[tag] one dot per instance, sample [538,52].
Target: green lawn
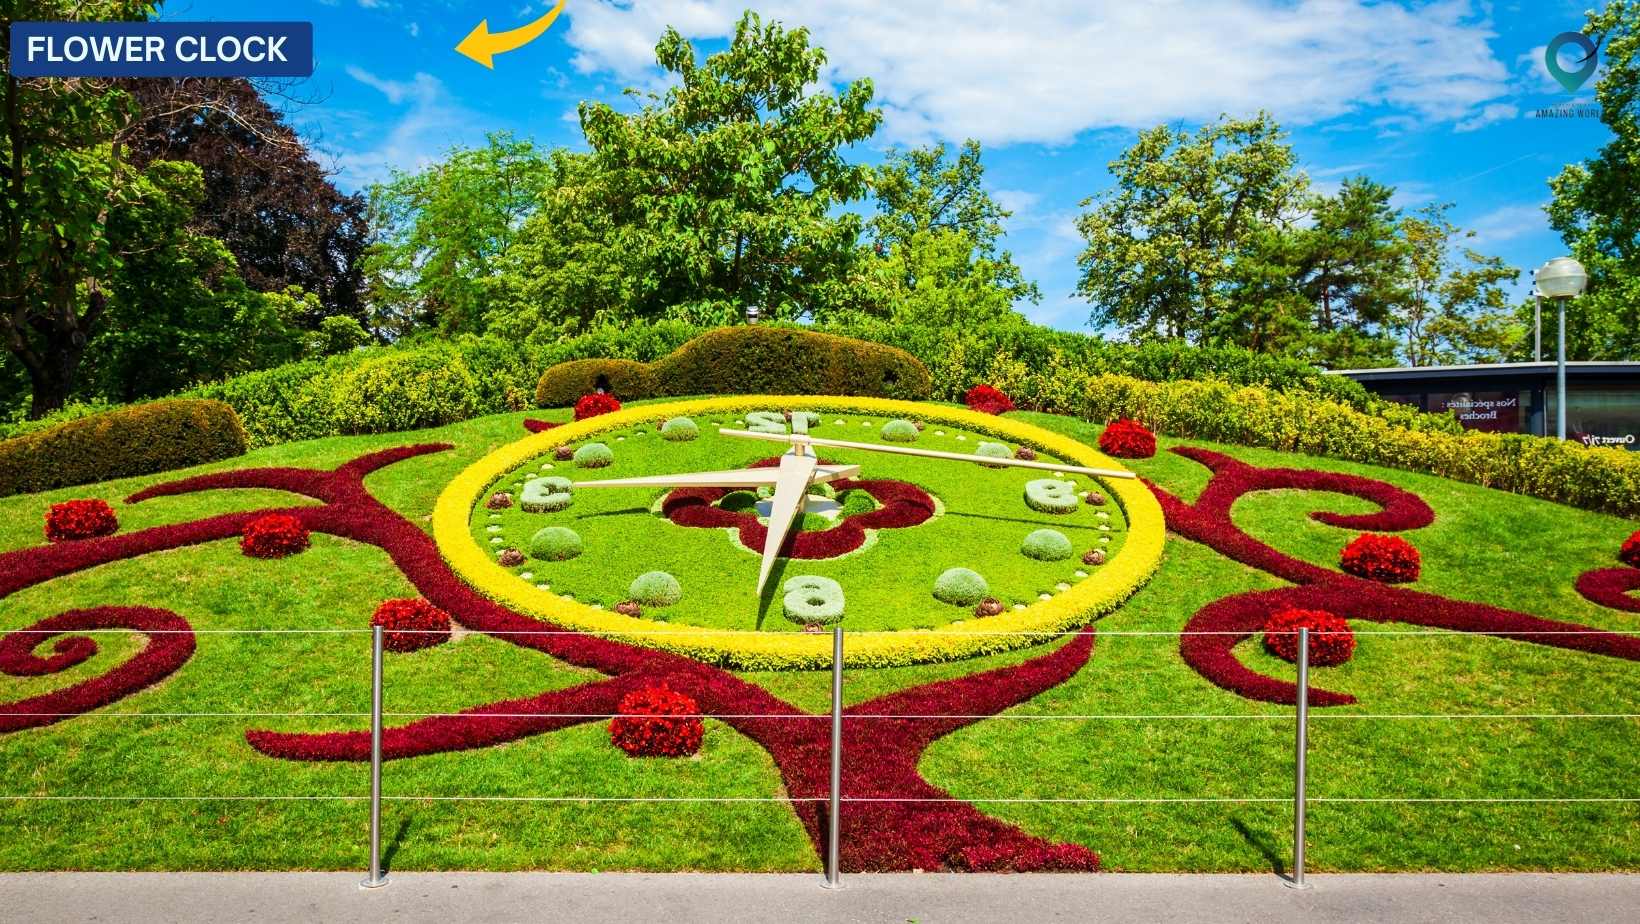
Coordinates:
[1483,546]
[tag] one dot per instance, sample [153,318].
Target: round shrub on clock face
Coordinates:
[1630,553]
[500,500]
[594,455]
[1127,439]
[961,587]
[1387,559]
[812,601]
[680,430]
[596,404]
[993,451]
[987,400]
[549,494]
[80,519]
[657,722]
[510,558]
[655,588]
[555,543]
[273,536]
[1047,545]
[1050,495]
[899,431]
[1332,642]
[411,625]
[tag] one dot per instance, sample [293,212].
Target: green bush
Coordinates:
[283,404]
[139,440]
[993,451]
[680,430]
[1046,545]
[960,587]
[899,431]
[555,543]
[594,455]
[564,384]
[405,391]
[655,588]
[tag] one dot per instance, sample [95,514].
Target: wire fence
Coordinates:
[836,800]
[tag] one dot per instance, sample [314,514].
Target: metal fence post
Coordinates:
[375,880]
[1300,745]
[834,872]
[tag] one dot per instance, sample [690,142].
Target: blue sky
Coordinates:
[1435,98]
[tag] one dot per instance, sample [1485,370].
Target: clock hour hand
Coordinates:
[790,491]
[733,478]
[802,441]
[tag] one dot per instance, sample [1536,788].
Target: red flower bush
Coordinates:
[596,404]
[1127,439]
[1331,640]
[274,536]
[411,625]
[1387,559]
[80,519]
[657,722]
[1630,553]
[987,400]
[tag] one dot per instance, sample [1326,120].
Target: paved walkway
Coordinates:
[583,898]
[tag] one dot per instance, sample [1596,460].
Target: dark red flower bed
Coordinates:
[170,644]
[596,404]
[657,722]
[902,505]
[1613,587]
[80,519]
[1629,554]
[274,536]
[1127,439]
[1331,641]
[538,426]
[1386,559]
[987,400]
[411,625]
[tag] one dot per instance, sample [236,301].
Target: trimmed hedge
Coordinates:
[139,440]
[751,359]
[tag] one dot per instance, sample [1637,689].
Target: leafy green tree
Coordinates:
[1457,309]
[1349,272]
[1162,243]
[1596,208]
[443,235]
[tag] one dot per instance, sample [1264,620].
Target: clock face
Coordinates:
[906,543]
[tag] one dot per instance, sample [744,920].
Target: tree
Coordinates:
[1595,208]
[727,189]
[443,234]
[1162,243]
[265,198]
[1456,310]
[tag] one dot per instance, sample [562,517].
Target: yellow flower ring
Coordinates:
[1100,593]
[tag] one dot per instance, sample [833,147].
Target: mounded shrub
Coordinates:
[594,455]
[138,440]
[1332,642]
[1050,495]
[767,360]
[1629,554]
[680,430]
[411,625]
[500,500]
[274,536]
[549,494]
[1387,559]
[657,722]
[1047,545]
[987,400]
[899,431]
[994,451]
[960,587]
[510,558]
[1127,439]
[655,588]
[565,383]
[812,601]
[406,390]
[80,519]
[555,543]
[596,404]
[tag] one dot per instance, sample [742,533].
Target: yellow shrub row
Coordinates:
[1098,594]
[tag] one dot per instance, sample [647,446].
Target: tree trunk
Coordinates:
[52,380]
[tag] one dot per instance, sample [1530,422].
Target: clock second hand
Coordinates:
[804,440]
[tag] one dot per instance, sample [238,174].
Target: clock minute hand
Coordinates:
[790,491]
[732,478]
[799,439]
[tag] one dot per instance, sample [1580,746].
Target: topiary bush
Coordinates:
[657,722]
[594,455]
[993,451]
[960,587]
[139,440]
[411,625]
[899,431]
[548,494]
[680,430]
[1332,642]
[655,588]
[274,536]
[596,404]
[987,400]
[1629,554]
[1388,559]
[1127,439]
[1047,545]
[555,543]
[1050,495]
[80,519]
[404,391]
[565,383]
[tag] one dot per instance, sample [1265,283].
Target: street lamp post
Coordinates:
[1561,279]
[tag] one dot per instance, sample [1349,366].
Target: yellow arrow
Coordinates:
[482,45]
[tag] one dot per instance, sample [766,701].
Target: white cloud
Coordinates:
[431,124]
[1506,223]
[1018,201]
[1047,71]
[1491,112]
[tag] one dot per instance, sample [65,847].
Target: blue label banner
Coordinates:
[162,49]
